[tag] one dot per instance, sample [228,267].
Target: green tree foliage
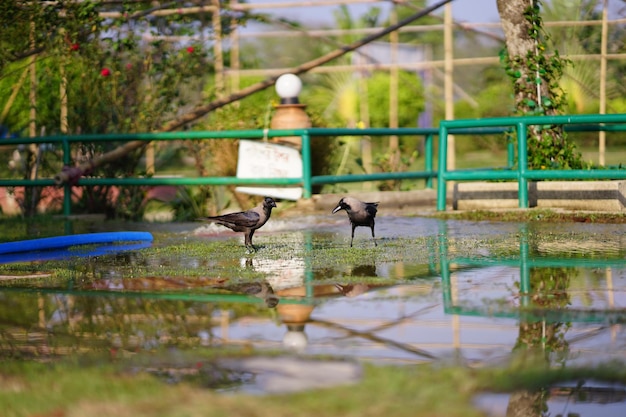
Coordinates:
[121,74]
[410,98]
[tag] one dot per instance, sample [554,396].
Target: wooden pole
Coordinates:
[394,141]
[364,120]
[603,49]
[448,85]
[63,95]
[234,53]
[217,50]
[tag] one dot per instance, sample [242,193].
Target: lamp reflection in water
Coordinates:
[292,281]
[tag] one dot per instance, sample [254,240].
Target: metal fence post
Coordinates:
[442,167]
[428,164]
[522,152]
[306,165]
[67,188]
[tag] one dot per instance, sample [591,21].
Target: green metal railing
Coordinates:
[514,125]
[306,181]
[587,122]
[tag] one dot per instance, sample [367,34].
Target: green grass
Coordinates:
[40,389]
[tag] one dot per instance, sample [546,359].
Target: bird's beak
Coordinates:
[336,209]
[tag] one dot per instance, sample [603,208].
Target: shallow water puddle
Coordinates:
[430,291]
[585,398]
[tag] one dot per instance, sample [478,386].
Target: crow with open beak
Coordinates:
[359,213]
[246,221]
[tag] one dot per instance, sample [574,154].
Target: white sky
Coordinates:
[475,11]
[462,10]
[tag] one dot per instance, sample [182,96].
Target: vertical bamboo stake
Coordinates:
[30,205]
[448,46]
[234,52]
[32,96]
[603,47]
[63,93]
[394,141]
[217,50]
[364,121]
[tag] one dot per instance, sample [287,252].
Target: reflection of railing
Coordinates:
[587,122]
[525,261]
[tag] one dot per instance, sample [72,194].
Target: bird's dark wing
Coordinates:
[371,208]
[241,219]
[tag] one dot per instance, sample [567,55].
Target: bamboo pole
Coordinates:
[33,148]
[603,49]
[234,77]
[64,126]
[394,141]
[217,50]
[448,85]
[70,175]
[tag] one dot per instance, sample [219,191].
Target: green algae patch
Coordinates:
[534,215]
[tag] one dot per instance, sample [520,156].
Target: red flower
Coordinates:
[74,47]
[129,66]
[190,49]
[105,72]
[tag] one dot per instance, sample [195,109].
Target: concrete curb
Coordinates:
[604,196]
[390,201]
[569,195]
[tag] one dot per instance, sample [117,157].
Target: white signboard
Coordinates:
[268,160]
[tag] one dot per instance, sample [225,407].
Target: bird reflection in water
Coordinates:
[260,290]
[355,289]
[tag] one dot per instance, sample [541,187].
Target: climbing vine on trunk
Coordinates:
[535,76]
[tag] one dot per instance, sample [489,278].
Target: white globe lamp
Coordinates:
[288,87]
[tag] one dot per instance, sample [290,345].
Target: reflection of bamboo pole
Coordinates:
[41,311]
[603,47]
[611,300]
[456,321]
[73,174]
[224,325]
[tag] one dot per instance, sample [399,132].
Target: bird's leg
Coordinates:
[374,237]
[352,238]
[248,242]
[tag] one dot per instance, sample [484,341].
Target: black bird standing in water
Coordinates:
[359,213]
[246,221]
